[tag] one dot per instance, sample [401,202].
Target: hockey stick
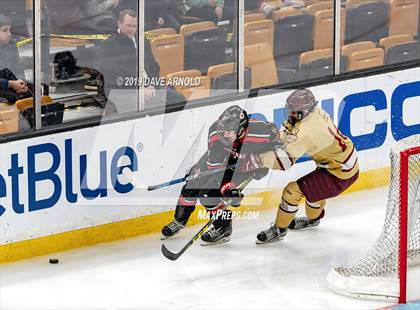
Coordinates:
[166,184]
[174,256]
[187,178]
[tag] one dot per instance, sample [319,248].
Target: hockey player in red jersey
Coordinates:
[233,140]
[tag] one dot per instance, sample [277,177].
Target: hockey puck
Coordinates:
[54,260]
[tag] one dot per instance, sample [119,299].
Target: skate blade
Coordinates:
[300,228]
[223,240]
[271,241]
[305,227]
[162,237]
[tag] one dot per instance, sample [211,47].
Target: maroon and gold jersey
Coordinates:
[318,137]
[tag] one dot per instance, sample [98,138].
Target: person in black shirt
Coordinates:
[118,53]
[118,64]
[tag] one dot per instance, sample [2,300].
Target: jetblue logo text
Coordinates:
[29,175]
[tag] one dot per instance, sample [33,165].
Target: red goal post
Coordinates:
[403,250]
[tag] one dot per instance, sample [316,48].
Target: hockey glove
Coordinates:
[231,195]
[252,163]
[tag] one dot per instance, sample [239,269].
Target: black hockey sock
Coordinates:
[223,220]
[183,213]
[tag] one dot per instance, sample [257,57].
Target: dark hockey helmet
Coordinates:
[232,119]
[299,104]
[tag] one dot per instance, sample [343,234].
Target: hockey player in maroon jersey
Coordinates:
[233,140]
[309,130]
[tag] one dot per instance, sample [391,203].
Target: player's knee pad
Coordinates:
[314,209]
[292,194]
[285,214]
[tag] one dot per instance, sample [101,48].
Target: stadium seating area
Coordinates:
[294,44]
[288,45]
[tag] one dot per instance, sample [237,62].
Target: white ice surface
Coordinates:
[133,274]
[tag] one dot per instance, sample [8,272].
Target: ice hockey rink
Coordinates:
[133,274]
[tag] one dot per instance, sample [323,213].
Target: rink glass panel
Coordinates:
[288,42]
[196,48]
[16,62]
[380,33]
[78,64]
[201,53]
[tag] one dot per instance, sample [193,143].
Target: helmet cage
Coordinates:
[233,119]
[299,104]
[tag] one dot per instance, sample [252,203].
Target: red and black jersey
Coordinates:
[260,136]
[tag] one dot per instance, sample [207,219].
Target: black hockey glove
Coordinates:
[252,163]
[231,196]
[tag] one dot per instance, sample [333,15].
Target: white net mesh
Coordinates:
[381,263]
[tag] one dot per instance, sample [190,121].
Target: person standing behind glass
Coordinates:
[158,14]
[118,63]
[9,54]
[206,10]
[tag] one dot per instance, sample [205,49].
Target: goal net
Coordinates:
[381,274]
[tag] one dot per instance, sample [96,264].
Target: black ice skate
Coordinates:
[215,236]
[171,229]
[271,234]
[304,222]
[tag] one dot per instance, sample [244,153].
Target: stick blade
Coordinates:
[153,187]
[168,254]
